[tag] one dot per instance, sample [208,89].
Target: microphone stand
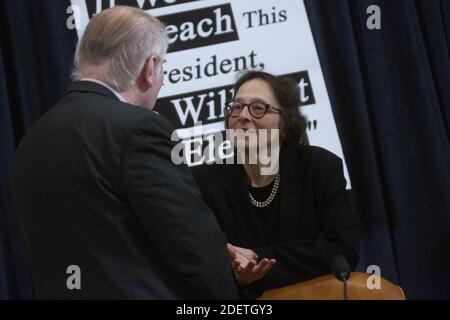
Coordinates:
[342,271]
[344,276]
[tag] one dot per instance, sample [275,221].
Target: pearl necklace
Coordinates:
[272,194]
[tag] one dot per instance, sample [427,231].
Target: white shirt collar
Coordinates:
[118,95]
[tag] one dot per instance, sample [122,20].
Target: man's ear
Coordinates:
[148,73]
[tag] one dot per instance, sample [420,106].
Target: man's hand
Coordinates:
[245,265]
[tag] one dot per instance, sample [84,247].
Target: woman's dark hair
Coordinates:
[286,91]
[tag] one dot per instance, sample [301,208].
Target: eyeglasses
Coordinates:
[256,109]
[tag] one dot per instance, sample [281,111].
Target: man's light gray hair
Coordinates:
[123,38]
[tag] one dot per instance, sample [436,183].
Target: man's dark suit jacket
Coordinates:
[314,223]
[94,186]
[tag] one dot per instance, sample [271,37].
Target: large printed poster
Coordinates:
[212,41]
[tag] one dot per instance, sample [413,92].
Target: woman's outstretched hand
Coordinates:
[246,267]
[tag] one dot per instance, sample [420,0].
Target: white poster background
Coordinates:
[281,47]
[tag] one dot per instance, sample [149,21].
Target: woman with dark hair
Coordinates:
[286,226]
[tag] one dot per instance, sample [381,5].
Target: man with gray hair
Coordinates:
[104,212]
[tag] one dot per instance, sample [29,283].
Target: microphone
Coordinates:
[341,270]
